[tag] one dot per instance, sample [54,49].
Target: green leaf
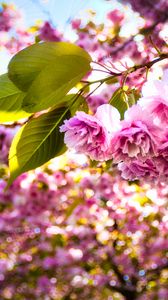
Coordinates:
[53,83]
[133,97]
[29,62]
[48,71]
[37,142]
[11,99]
[118,100]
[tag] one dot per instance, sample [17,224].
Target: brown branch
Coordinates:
[150,63]
[129,293]
[147,65]
[157,270]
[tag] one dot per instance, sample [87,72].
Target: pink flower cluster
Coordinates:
[14,36]
[62,233]
[155,10]
[48,33]
[9,17]
[105,43]
[115,16]
[138,144]
[91,134]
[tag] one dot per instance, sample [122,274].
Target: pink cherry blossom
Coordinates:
[163,148]
[91,134]
[9,17]
[137,169]
[155,98]
[137,138]
[76,23]
[115,16]
[153,10]
[48,33]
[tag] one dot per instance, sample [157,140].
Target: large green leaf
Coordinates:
[47,71]
[37,142]
[53,83]
[11,99]
[118,100]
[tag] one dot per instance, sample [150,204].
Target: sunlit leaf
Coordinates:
[48,71]
[118,100]
[11,99]
[37,142]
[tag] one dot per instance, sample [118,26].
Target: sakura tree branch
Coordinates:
[147,65]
